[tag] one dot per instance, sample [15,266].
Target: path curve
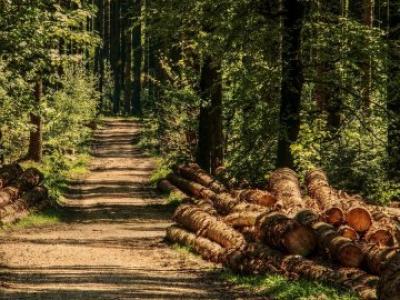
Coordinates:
[112,245]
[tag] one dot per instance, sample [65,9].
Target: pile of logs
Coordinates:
[325,235]
[20,192]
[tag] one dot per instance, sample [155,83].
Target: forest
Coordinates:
[229,94]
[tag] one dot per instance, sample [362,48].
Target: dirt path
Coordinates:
[112,245]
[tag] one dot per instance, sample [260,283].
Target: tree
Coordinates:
[137,58]
[292,79]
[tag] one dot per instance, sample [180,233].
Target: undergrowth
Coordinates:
[279,288]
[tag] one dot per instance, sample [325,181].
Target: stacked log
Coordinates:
[255,232]
[389,283]
[357,215]
[20,192]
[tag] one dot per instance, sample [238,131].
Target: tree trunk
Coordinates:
[292,80]
[35,137]
[393,95]
[107,27]
[137,59]
[368,21]
[210,135]
[127,37]
[116,53]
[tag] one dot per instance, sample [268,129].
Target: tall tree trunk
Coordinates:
[116,53]
[106,41]
[137,59]
[393,95]
[100,49]
[127,36]
[368,20]
[210,139]
[35,137]
[292,80]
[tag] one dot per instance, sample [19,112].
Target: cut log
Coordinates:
[389,284]
[342,249]
[242,218]
[357,214]
[27,181]
[260,259]
[208,226]
[286,234]
[285,186]
[348,232]
[207,249]
[27,201]
[9,173]
[192,171]
[380,234]
[376,257]
[258,197]
[165,186]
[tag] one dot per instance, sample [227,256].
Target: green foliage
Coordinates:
[278,287]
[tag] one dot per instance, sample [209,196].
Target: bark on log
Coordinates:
[9,173]
[208,226]
[27,181]
[224,202]
[381,233]
[286,234]
[27,201]
[348,232]
[341,249]
[258,197]
[285,186]
[165,186]
[357,215]
[260,259]
[389,284]
[207,249]
[376,257]
[192,171]
[242,218]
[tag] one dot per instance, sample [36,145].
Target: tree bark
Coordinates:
[292,80]
[285,186]
[9,173]
[210,132]
[389,283]
[137,58]
[35,151]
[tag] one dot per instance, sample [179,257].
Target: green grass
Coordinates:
[280,288]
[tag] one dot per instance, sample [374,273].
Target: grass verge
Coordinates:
[279,288]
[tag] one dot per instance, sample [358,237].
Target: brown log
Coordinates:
[258,197]
[242,218]
[193,172]
[286,234]
[376,257]
[28,200]
[342,249]
[389,284]
[208,226]
[9,173]
[28,180]
[207,249]
[285,186]
[357,214]
[380,234]
[348,232]
[165,186]
[260,259]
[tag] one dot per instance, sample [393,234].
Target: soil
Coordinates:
[111,245]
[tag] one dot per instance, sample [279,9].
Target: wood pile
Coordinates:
[324,235]
[20,192]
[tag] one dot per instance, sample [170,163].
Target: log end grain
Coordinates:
[334,216]
[359,218]
[349,232]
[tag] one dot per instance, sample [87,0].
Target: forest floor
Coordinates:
[111,244]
